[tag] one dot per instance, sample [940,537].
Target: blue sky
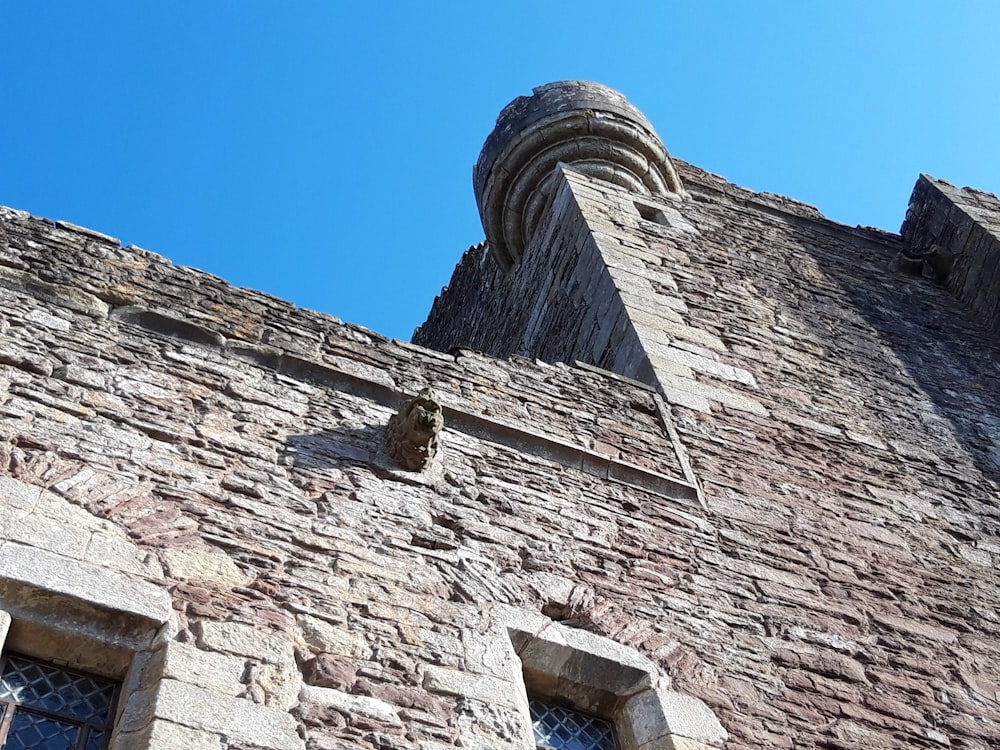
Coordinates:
[322,151]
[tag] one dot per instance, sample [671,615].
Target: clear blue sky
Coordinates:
[322,151]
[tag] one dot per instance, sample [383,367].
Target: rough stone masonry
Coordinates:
[726,472]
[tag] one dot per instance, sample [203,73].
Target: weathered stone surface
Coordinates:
[328,670]
[209,712]
[203,567]
[281,685]
[810,474]
[350,704]
[165,735]
[837,418]
[42,571]
[244,640]
[487,725]
[219,672]
[475,687]
[658,713]
[323,637]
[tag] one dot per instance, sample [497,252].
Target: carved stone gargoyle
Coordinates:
[412,434]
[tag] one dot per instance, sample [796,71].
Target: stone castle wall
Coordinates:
[785,536]
[840,416]
[318,596]
[955,234]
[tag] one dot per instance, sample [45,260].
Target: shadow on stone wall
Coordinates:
[935,371]
[332,448]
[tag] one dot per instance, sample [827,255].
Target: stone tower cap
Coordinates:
[585,125]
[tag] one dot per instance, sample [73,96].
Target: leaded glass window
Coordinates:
[43,707]
[558,728]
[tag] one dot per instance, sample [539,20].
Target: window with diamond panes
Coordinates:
[558,728]
[47,708]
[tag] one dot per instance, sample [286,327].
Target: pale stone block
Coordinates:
[17,494]
[484,725]
[469,685]
[325,638]
[351,704]
[660,329]
[491,653]
[656,713]
[686,743]
[244,640]
[203,567]
[281,684]
[51,505]
[47,320]
[45,520]
[8,515]
[219,672]
[48,533]
[111,548]
[670,367]
[165,735]
[82,477]
[670,385]
[632,283]
[869,440]
[689,400]
[660,307]
[237,719]
[698,362]
[52,573]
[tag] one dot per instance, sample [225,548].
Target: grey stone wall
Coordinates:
[824,578]
[843,419]
[560,304]
[955,234]
[323,597]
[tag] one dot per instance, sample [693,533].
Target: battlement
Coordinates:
[955,234]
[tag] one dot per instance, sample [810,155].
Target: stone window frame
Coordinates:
[42,620]
[76,593]
[596,675]
[87,723]
[75,590]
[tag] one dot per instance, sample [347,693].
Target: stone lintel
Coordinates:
[41,585]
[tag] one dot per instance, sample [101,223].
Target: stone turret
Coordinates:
[585,125]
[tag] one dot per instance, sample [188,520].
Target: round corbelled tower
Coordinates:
[585,125]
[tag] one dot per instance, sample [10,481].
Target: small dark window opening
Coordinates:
[558,728]
[44,707]
[651,213]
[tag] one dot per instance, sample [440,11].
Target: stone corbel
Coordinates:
[412,435]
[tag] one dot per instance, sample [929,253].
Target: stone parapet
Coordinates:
[955,234]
